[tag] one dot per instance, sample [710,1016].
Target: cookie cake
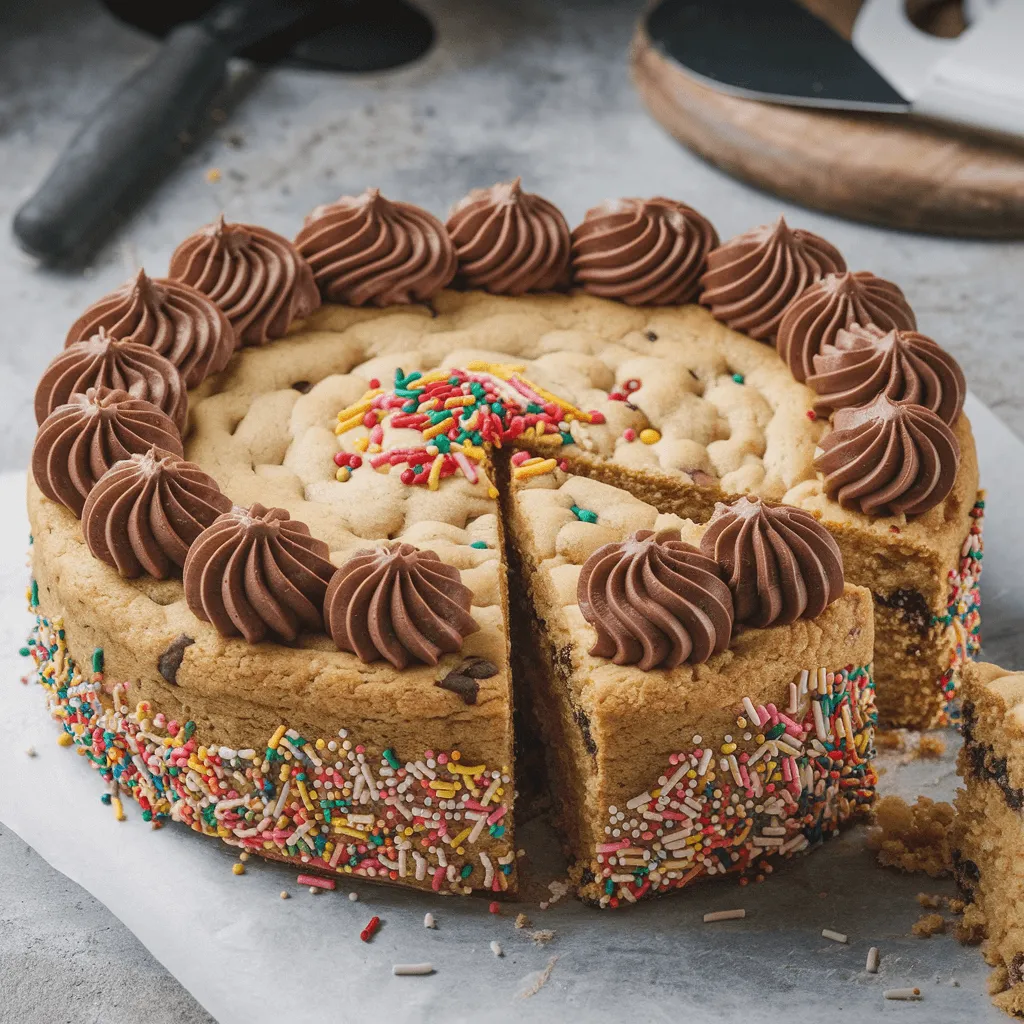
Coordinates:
[302,509]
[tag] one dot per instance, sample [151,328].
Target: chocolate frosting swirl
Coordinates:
[888,458]
[366,250]
[168,316]
[655,602]
[78,442]
[780,563]
[118,365]
[752,278]
[255,275]
[509,242]
[258,573]
[145,511]
[905,365]
[642,251]
[398,603]
[815,318]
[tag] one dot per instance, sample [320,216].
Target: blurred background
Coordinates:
[537,88]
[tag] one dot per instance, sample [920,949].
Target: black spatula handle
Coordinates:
[123,145]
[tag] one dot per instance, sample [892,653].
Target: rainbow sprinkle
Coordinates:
[788,780]
[332,806]
[963,611]
[460,414]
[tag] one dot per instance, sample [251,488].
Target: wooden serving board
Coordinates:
[894,170]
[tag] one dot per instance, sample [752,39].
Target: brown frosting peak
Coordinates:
[908,367]
[655,602]
[398,603]
[642,251]
[118,365]
[79,441]
[752,278]
[887,458]
[367,250]
[256,276]
[815,318]
[509,242]
[145,511]
[168,316]
[780,563]
[259,574]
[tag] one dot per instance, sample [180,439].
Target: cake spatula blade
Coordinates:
[773,50]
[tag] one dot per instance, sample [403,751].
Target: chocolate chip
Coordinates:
[650,336]
[478,668]
[465,687]
[170,661]
[1015,969]
[302,386]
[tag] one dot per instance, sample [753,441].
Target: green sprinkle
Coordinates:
[24,651]
[389,756]
[467,870]
[35,594]
[497,831]
[584,515]
[738,377]
[476,544]
[97,660]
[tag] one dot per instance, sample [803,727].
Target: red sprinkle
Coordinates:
[811,414]
[629,434]
[316,881]
[374,383]
[597,418]
[355,461]
[341,458]
[368,932]
[495,908]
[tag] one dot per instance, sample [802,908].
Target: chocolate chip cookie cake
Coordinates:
[301,510]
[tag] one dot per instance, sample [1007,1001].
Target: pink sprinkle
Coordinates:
[495,908]
[435,882]
[316,881]
[597,418]
[377,435]
[519,458]
[497,815]
[629,434]
[442,758]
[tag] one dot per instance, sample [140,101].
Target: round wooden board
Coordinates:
[886,169]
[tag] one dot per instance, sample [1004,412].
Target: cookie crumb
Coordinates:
[929,746]
[929,900]
[522,921]
[914,837]
[542,936]
[929,925]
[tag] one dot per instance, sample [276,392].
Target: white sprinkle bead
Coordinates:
[496,948]
[827,933]
[872,964]
[354,897]
[404,970]
[724,915]
[428,921]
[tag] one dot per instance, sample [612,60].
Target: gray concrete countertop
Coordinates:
[532,88]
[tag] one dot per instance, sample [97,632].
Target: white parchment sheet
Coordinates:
[250,957]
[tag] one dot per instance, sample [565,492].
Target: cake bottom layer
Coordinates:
[989,868]
[426,819]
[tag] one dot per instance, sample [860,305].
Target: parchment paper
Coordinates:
[249,956]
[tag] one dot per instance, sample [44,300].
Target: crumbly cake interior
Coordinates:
[988,831]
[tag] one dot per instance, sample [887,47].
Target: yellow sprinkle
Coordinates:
[118,808]
[457,840]
[346,831]
[437,428]
[65,739]
[301,787]
[277,737]
[532,468]
[456,402]
[360,444]
[343,474]
[503,370]
[238,869]
[433,480]
[650,436]
[463,770]
[213,175]
[728,748]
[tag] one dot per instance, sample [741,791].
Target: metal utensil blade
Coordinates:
[773,50]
